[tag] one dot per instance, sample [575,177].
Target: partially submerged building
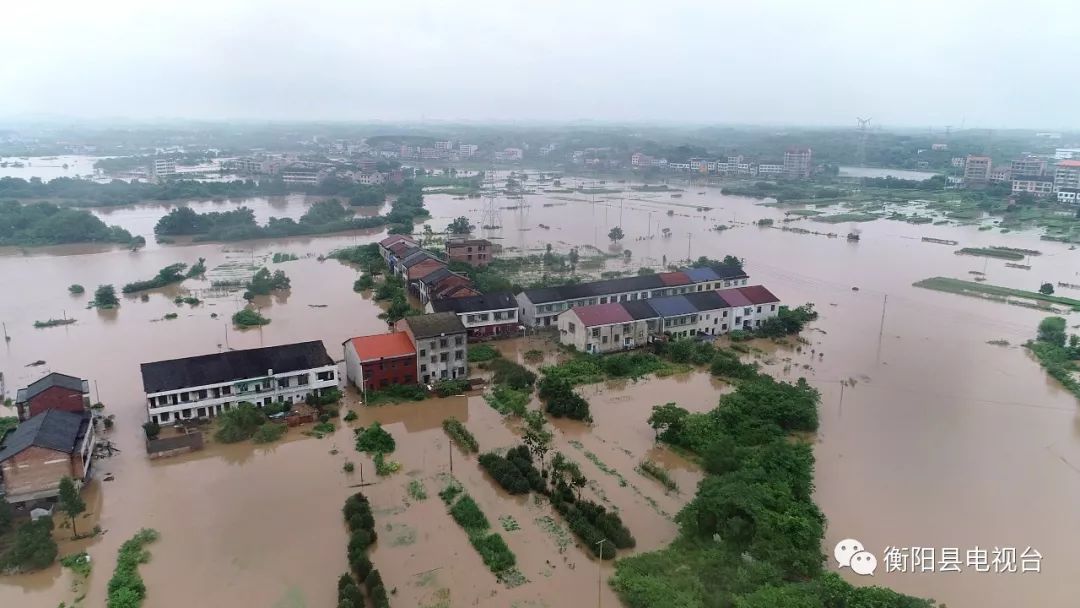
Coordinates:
[206,385]
[55,391]
[379,361]
[442,352]
[43,450]
[486,316]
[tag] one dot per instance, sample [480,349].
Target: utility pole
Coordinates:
[97,393]
[689,235]
[600,573]
[881,329]
[450,444]
[361,473]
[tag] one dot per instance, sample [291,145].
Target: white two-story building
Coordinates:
[206,385]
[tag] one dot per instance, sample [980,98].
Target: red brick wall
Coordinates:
[32,470]
[55,398]
[399,370]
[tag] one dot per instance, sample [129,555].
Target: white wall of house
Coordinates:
[211,399]
[353,370]
[442,358]
[601,338]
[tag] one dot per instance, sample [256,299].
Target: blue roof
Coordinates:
[700,275]
[672,306]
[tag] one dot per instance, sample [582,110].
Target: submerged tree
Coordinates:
[105,297]
[70,502]
[460,225]
[615,234]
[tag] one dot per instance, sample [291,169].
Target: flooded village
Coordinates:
[937,427]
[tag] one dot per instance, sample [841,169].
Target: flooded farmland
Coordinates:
[930,436]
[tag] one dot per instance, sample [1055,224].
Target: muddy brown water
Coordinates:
[942,440]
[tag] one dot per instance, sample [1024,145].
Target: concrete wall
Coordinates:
[54,398]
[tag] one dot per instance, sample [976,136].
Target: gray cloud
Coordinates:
[911,63]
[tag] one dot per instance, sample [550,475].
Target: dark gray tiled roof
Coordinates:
[488,301]
[52,429]
[233,365]
[435,324]
[54,379]
[620,285]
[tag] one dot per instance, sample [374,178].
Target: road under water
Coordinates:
[934,439]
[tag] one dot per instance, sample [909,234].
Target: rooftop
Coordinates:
[1069,163]
[602,314]
[435,324]
[54,379]
[396,238]
[672,306]
[488,301]
[52,429]
[233,365]
[706,300]
[460,242]
[757,294]
[734,297]
[639,310]
[646,282]
[672,279]
[382,346]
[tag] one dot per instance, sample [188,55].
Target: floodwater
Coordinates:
[876,172]
[941,440]
[49,167]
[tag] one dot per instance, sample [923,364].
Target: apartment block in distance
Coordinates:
[162,167]
[206,385]
[1067,175]
[797,162]
[977,170]
[375,362]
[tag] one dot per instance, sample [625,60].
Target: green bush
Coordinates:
[126,588]
[447,388]
[374,439]
[515,472]
[468,515]
[726,363]
[249,317]
[482,352]
[76,289]
[395,393]
[455,429]
[507,401]
[511,374]
[269,432]
[239,423]
[33,547]
[561,400]
[350,416]
[493,550]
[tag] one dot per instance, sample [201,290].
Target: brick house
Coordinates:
[474,252]
[491,315]
[44,449]
[375,362]
[55,391]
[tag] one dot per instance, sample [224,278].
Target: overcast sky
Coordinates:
[909,63]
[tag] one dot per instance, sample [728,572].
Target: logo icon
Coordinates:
[851,553]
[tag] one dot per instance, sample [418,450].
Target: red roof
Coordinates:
[602,314]
[397,248]
[674,278]
[383,346]
[424,268]
[1069,163]
[758,294]
[396,238]
[734,297]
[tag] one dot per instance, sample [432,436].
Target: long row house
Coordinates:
[619,325]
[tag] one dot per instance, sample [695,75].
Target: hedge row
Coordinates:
[361,524]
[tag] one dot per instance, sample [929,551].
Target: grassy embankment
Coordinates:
[992,292]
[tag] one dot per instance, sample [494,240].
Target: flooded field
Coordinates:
[935,439]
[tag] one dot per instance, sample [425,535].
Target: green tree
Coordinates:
[460,225]
[1052,330]
[615,234]
[1046,289]
[70,502]
[667,419]
[537,437]
[105,297]
[6,517]
[374,439]
[33,547]
[239,423]
[574,257]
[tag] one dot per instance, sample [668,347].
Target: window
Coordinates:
[570,326]
[302,380]
[626,327]
[431,345]
[459,340]
[444,357]
[443,342]
[773,307]
[747,310]
[202,394]
[725,314]
[596,332]
[423,352]
[423,367]
[459,355]
[603,340]
[283,383]
[759,309]
[325,375]
[603,300]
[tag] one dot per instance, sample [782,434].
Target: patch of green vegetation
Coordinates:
[281,258]
[416,490]
[79,563]
[173,273]
[1058,352]
[53,323]
[322,429]
[510,374]
[39,224]
[126,587]
[482,352]
[508,401]
[249,317]
[509,524]
[269,432]
[991,252]
[169,316]
[993,292]
[76,289]
[659,473]
[555,530]
[396,393]
[461,435]
[841,218]
[490,545]
[239,423]
[384,467]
